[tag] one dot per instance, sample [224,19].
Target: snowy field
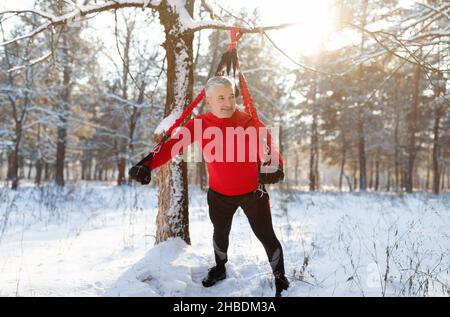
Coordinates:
[98,240]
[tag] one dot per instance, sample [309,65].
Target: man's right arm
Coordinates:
[175,145]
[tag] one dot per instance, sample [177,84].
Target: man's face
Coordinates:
[221,101]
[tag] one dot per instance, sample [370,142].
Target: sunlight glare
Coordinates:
[316,24]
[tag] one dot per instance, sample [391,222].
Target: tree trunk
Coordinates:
[18,117]
[349,184]
[314,158]
[448,178]
[133,121]
[22,166]
[89,167]
[343,154]
[377,172]
[436,175]
[1,165]
[173,214]
[403,180]
[362,156]
[30,167]
[361,116]
[202,177]
[67,171]
[46,171]
[121,165]
[63,114]
[83,167]
[388,184]
[314,146]
[14,174]
[9,156]
[100,173]
[396,151]
[443,172]
[60,152]
[412,125]
[38,178]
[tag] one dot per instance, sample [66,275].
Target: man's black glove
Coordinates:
[140,173]
[270,175]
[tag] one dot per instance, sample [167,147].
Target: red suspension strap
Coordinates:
[231,58]
[247,98]
[187,112]
[235,36]
[249,105]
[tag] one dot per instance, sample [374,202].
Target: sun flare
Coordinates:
[316,22]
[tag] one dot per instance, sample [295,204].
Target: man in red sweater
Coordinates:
[233,150]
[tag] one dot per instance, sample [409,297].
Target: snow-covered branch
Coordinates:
[31,63]
[401,43]
[440,10]
[127,102]
[76,14]
[218,25]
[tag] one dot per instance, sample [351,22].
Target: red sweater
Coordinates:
[235,176]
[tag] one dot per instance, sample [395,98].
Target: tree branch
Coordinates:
[31,63]
[210,24]
[76,14]
[440,10]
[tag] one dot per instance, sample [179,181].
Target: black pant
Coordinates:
[256,207]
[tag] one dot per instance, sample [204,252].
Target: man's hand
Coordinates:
[140,173]
[267,174]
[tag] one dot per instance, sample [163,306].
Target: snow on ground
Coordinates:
[96,239]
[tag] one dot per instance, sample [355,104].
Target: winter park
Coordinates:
[226,149]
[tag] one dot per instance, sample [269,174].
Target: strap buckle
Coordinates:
[261,189]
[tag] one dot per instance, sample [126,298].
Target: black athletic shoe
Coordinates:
[215,274]
[281,284]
